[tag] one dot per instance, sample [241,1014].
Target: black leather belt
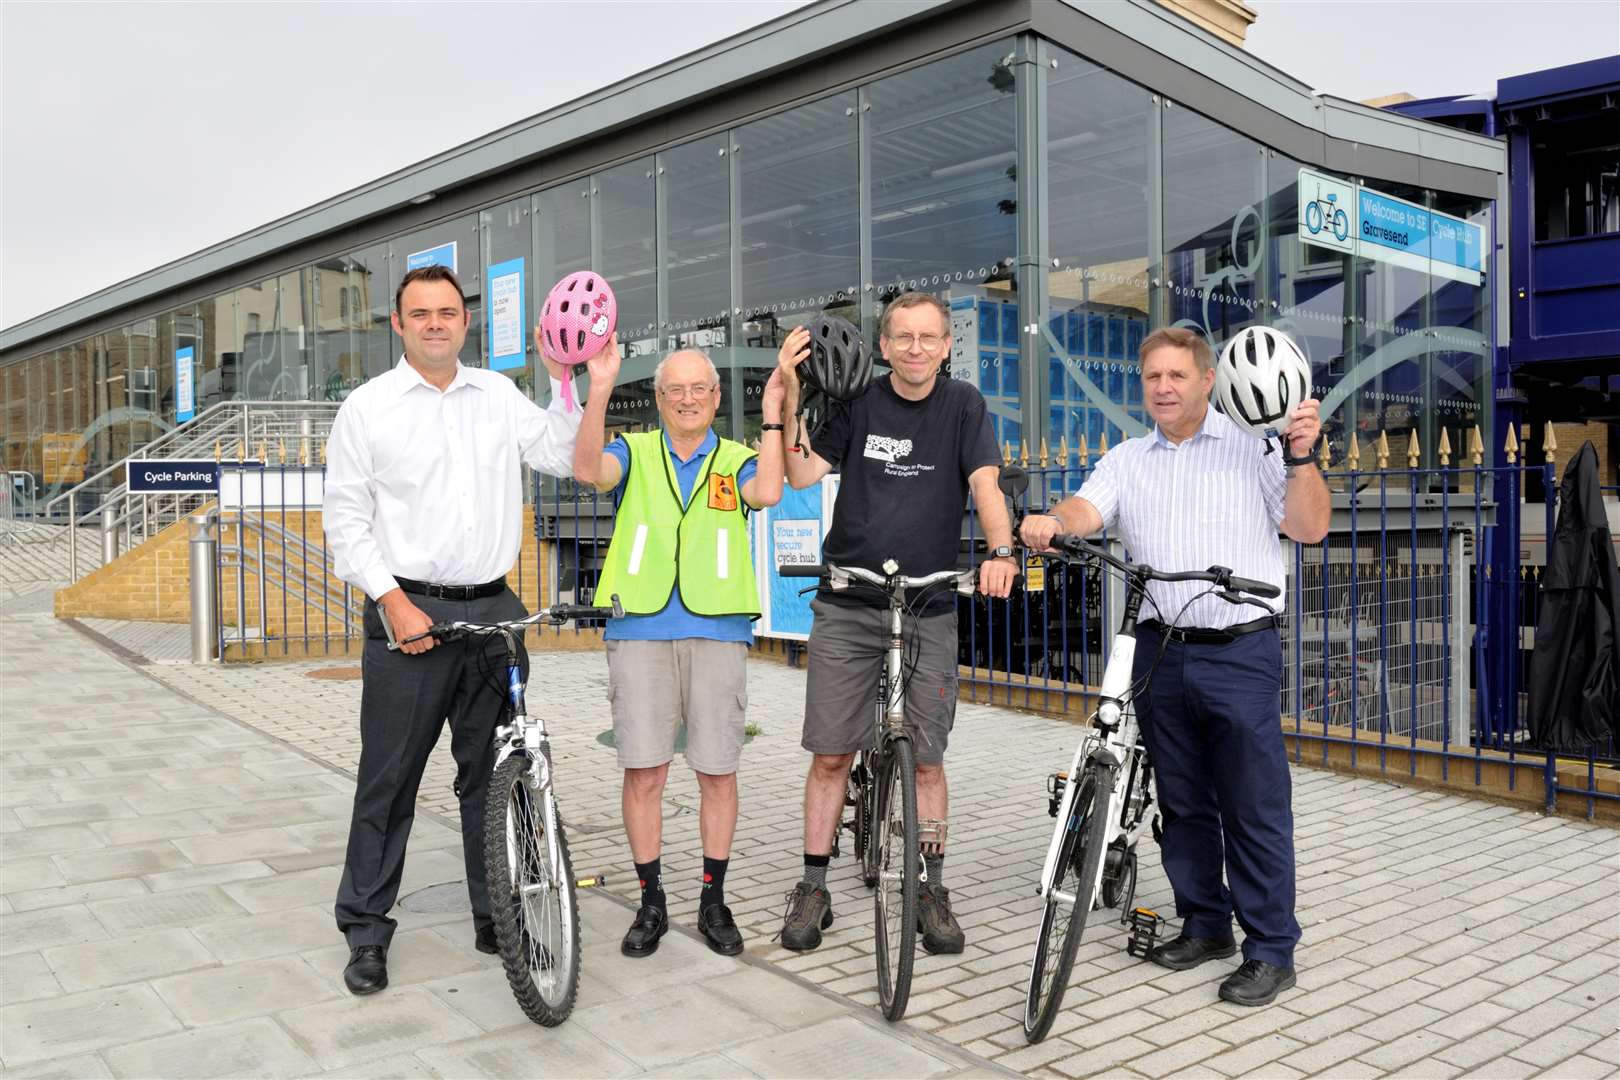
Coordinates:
[453,592]
[1197,635]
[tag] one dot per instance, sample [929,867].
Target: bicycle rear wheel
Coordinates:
[531,892]
[1064,920]
[895,901]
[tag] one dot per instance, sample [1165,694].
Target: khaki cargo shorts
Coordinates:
[658,687]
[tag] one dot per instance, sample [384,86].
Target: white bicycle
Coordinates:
[1101,804]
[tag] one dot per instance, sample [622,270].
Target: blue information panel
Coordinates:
[443,255]
[185,384]
[1406,234]
[791,532]
[172,475]
[505,315]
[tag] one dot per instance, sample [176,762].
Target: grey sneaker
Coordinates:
[940,932]
[809,912]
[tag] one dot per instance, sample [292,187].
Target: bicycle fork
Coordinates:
[1110,751]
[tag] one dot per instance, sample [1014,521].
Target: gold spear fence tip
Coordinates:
[1414,449]
[1476,446]
[1023,452]
[281,452]
[1550,445]
[1511,447]
[1085,452]
[1383,449]
[1046,455]
[1354,456]
[1102,444]
[1006,453]
[1445,449]
[219,450]
[1325,457]
[1063,450]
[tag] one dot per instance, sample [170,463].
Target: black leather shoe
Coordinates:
[367,972]
[1188,952]
[484,940]
[1256,983]
[642,937]
[719,929]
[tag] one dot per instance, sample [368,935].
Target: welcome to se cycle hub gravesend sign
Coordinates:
[1358,220]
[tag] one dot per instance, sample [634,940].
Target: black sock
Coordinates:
[651,875]
[714,882]
[934,863]
[815,869]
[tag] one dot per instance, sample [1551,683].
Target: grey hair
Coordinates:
[658,372]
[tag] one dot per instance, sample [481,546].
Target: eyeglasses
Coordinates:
[697,391]
[925,342]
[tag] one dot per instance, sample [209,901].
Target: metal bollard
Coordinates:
[204,631]
[109,534]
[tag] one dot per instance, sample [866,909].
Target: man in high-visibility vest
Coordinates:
[679,563]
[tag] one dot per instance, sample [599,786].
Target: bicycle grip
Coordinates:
[1249,585]
[814,570]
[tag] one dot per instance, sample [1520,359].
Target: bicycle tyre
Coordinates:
[533,902]
[894,922]
[1078,863]
[865,797]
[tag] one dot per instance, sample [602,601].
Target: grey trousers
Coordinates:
[404,705]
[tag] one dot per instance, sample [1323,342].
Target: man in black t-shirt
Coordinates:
[908,451]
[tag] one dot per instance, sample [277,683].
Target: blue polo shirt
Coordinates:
[675,621]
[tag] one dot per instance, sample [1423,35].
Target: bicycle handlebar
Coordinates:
[556,615]
[841,577]
[1231,585]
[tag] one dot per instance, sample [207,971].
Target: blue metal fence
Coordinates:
[1388,632]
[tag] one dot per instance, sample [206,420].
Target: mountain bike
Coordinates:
[883,783]
[531,879]
[1101,803]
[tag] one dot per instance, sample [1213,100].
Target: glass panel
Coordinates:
[350,304]
[270,316]
[453,243]
[1314,308]
[1212,225]
[115,438]
[564,232]
[944,205]
[141,384]
[696,260]
[626,238]
[1461,323]
[799,196]
[218,322]
[1099,129]
[16,378]
[507,238]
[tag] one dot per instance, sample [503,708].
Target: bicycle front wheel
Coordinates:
[1069,899]
[531,894]
[895,902]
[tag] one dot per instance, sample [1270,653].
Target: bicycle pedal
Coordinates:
[592,881]
[1055,784]
[1145,926]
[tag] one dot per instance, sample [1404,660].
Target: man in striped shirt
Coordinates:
[1198,491]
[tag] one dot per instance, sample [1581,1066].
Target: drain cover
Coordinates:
[438,899]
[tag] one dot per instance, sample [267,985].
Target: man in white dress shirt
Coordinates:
[423,511]
[1197,491]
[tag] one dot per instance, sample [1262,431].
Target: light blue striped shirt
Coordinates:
[1215,499]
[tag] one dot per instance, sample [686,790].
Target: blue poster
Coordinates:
[443,255]
[185,384]
[790,532]
[506,341]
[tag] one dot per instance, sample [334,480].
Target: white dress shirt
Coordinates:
[1214,499]
[427,485]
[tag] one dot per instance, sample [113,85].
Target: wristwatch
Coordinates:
[770,427]
[1002,552]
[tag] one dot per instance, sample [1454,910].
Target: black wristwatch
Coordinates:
[770,427]
[1002,552]
[1290,460]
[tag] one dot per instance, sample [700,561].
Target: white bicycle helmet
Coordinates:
[1260,380]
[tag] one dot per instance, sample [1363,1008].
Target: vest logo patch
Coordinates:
[722,492]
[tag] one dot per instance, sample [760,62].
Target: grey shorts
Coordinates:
[658,687]
[846,657]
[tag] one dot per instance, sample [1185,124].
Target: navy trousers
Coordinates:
[1213,727]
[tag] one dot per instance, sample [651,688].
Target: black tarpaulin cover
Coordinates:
[1575,669]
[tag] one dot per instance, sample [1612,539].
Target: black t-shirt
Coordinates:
[905,468]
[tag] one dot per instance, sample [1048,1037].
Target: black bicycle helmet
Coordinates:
[840,363]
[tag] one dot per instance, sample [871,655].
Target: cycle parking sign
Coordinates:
[1327,211]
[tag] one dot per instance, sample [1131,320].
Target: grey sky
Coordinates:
[137,133]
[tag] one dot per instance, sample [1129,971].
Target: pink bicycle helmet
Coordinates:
[579,316]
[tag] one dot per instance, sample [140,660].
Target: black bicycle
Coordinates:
[883,782]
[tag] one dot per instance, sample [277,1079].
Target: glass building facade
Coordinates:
[1060,208]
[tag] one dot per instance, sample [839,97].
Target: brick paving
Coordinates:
[1442,936]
